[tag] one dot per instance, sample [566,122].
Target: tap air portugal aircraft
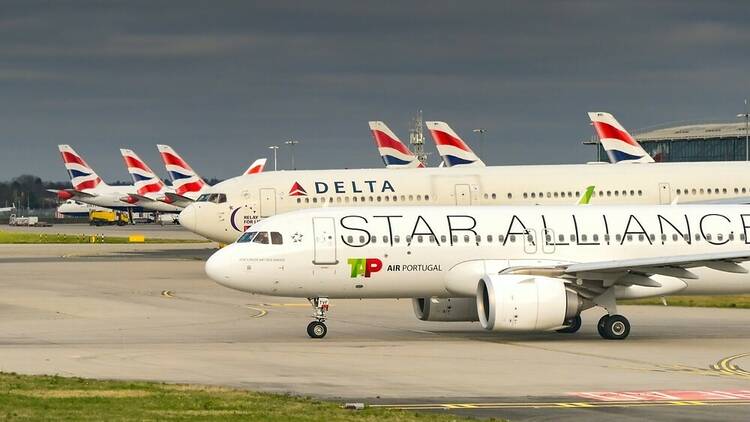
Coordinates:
[394,153]
[525,268]
[89,188]
[620,146]
[186,182]
[235,204]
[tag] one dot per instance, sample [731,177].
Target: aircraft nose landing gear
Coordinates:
[317,328]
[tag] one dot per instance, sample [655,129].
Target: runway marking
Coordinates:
[260,312]
[560,405]
[167,293]
[725,366]
[286,305]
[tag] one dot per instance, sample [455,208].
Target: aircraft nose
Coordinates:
[218,265]
[188,218]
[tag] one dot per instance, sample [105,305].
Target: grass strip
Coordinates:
[729,301]
[65,238]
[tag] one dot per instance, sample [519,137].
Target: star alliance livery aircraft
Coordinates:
[238,203]
[525,268]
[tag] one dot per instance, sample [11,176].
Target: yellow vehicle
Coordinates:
[108,218]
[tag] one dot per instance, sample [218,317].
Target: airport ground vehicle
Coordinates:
[108,218]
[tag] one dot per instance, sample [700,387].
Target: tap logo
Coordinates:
[364,266]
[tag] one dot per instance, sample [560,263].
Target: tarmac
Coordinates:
[149,312]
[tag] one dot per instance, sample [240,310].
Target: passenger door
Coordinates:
[463,195]
[665,194]
[325,241]
[267,202]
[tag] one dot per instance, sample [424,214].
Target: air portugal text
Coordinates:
[581,230]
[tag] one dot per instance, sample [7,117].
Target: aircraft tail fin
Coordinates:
[144,179]
[394,153]
[82,176]
[586,197]
[620,146]
[452,148]
[184,178]
[256,167]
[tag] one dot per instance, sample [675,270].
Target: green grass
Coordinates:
[733,301]
[24,397]
[49,238]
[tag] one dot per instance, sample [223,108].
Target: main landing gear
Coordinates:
[613,327]
[317,328]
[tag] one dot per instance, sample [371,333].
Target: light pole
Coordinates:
[746,116]
[481,132]
[291,144]
[274,148]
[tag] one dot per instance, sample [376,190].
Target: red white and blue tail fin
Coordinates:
[82,176]
[451,147]
[393,152]
[184,178]
[620,146]
[145,180]
[256,167]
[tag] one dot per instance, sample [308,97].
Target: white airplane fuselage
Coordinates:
[248,199]
[409,252]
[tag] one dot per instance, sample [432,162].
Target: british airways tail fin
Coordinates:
[620,146]
[82,176]
[184,178]
[144,179]
[393,152]
[452,148]
[256,167]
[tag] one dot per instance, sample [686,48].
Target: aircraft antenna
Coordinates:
[416,138]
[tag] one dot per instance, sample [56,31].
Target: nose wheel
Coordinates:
[613,327]
[317,328]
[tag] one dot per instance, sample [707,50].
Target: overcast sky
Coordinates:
[220,81]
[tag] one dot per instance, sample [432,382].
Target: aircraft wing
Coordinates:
[638,271]
[178,200]
[73,193]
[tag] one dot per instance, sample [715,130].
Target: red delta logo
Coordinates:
[297,190]
[364,266]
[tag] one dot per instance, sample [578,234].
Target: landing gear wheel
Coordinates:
[600,326]
[317,329]
[574,324]
[613,327]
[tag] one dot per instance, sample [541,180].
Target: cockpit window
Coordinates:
[276,238]
[247,237]
[217,198]
[262,237]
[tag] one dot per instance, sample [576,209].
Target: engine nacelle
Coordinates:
[446,310]
[525,303]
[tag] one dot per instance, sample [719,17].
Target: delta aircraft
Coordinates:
[522,268]
[242,201]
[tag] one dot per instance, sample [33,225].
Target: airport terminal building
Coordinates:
[694,142]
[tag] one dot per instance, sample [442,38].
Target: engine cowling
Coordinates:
[459,309]
[525,303]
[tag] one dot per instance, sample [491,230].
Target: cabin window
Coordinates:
[500,238]
[678,191]
[466,238]
[632,193]
[443,238]
[640,193]
[572,238]
[525,195]
[742,237]
[561,237]
[385,239]
[350,239]
[411,197]
[362,239]
[427,197]
[606,237]
[338,199]
[419,239]
[403,198]
[731,236]
[630,238]
[697,237]
[489,238]
[618,238]
[396,239]
[379,198]
[510,196]
[419,197]
[533,195]
[693,191]
[454,238]
[299,200]
[486,196]
[512,238]
[596,237]
[346,199]
[674,237]
[578,194]
[583,237]
[724,190]
[736,190]
[315,200]
[708,236]
[719,237]
[276,238]
[478,238]
[387,198]
[652,237]
[555,195]
[640,238]
[408,239]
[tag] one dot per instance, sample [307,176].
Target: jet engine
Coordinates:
[525,303]
[446,310]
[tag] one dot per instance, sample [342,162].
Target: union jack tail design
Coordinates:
[144,179]
[451,147]
[620,146]
[184,178]
[393,152]
[82,176]
[256,167]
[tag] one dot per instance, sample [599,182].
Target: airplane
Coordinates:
[7,209]
[230,207]
[73,208]
[89,188]
[617,142]
[512,268]
[394,153]
[186,182]
[150,189]
[450,146]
